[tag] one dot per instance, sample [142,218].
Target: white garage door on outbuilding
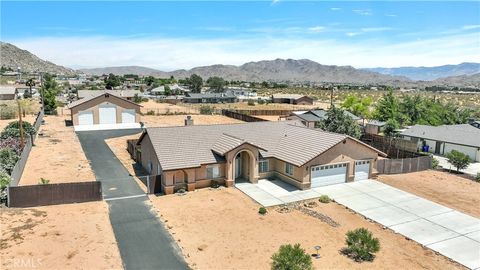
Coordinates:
[128,116]
[107,114]
[362,170]
[329,174]
[85,118]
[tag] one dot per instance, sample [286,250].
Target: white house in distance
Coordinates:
[441,140]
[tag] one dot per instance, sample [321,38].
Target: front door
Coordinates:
[438,145]
[238,166]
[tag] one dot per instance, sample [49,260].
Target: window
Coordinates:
[289,168]
[263,166]
[213,171]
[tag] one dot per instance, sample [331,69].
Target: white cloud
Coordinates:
[363,12]
[352,34]
[317,29]
[391,15]
[335,9]
[375,29]
[175,53]
[471,26]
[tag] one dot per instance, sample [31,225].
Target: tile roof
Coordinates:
[289,96]
[192,146]
[463,134]
[99,94]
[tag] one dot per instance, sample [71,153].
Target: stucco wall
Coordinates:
[93,105]
[148,154]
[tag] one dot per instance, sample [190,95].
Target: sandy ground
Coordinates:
[270,117]
[178,120]
[165,108]
[441,187]
[28,118]
[221,229]
[57,155]
[270,106]
[71,236]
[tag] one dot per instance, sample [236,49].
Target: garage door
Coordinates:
[362,170]
[85,118]
[328,174]
[107,114]
[128,116]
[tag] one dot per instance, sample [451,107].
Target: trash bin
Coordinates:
[425,148]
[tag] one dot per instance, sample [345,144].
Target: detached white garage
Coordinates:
[104,111]
[329,174]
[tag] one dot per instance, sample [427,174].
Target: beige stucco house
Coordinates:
[194,156]
[104,111]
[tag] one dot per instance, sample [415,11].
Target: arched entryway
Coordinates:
[243,167]
[180,179]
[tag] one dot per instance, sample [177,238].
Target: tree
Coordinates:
[361,245]
[458,159]
[339,122]
[387,107]
[196,83]
[137,99]
[167,91]
[291,257]
[149,80]
[391,127]
[358,106]
[112,81]
[30,83]
[50,90]
[215,83]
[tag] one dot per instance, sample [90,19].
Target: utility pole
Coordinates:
[331,97]
[41,92]
[20,124]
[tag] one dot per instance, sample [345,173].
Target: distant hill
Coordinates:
[430,73]
[279,70]
[14,57]
[459,81]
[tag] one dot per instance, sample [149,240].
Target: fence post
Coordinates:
[148,184]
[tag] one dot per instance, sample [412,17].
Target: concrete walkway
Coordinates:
[472,169]
[447,231]
[142,239]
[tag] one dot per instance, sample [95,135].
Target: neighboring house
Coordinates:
[192,156]
[104,111]
[8,93]
[475,123]
[157,91]
[127,94]
[209,98]
[314,117]
[441,140]
[374,127]
[241,93]
[292,99]
[173,99]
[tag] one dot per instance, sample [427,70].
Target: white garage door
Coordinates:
[328,174]
[128,116]
[107,114]
[362,170]
[85,118]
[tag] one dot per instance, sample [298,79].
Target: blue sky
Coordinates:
[173,35]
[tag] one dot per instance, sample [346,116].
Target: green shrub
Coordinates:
[4,179]
[477,178]
[324,199]
[458,159]
[262,210]
[214,184]
[434,163]
[261,101]
[291,257]
[8,159]
[361,245]
[251,103]
[205,109]
[12,130]
[151,112]
[43,181]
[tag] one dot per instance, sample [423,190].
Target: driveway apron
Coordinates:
[143,241]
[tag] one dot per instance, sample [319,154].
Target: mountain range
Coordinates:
[278,70]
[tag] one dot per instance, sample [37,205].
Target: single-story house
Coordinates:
[374,127]
[104,111]
[209,98]
[127,94]
[441,140]
[173,99]
[193,156]
[242,93]
[313,117]
[295,99]
[8,93]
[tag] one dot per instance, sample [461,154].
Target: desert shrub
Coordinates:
[262,210]
[8,112]
[43,181]
[361,245]
[12,143]
[251,103]
[8,159]
[434,163]
[261,101]
[477,177]
[12,130]
[151,112]
[290,257]
[214,184]
[324,199]
[205,109]
[4,179]
[458,159]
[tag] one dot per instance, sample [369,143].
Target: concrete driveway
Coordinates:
[142,239]
[447,231]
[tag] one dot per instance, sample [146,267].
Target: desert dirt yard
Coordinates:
[223,230]
[178,120]
[57,155]
[441,187]
[71,236]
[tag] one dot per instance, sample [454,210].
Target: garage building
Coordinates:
[104,111]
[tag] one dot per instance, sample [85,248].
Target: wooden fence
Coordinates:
[49,194]
[263,112]
[393,147]
[243,117]
[406,165]
[133,149]
[17,170]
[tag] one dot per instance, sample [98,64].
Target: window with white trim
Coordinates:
[289,169]
[213,171]
[263,166]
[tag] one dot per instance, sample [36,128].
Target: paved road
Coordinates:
[143,241]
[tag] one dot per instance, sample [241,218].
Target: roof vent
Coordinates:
[188,121]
